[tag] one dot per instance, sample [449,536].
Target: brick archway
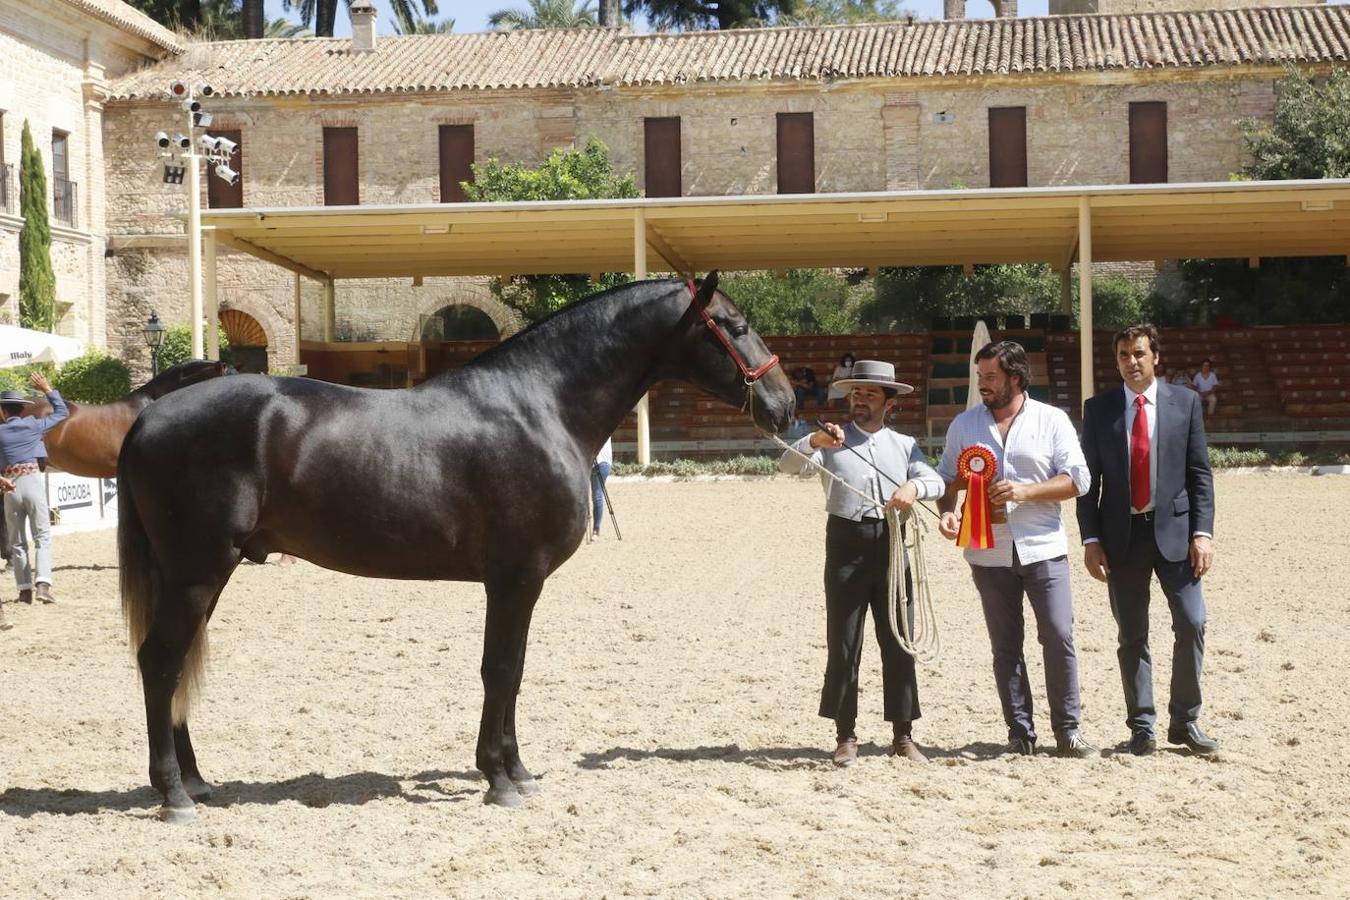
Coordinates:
[252,320]
[475,294]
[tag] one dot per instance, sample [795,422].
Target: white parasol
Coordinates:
[977,342]
[21,346]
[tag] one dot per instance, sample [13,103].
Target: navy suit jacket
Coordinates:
[1184,496]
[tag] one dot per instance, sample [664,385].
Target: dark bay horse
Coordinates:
[88,441]
[479,474]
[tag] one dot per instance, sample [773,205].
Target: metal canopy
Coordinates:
[1129,222]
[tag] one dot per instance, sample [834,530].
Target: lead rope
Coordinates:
[922,641]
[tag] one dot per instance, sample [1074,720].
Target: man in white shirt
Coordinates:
[890,468]
[1039,465]
[1206,384]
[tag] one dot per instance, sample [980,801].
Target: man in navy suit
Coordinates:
[1150,510]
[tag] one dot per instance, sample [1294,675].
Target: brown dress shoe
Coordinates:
[846,754]
[26,596]
[44,592]
[905,748]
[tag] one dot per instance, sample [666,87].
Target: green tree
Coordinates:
[846,12]
[584,174]
[544,14]
[95,377]
[690,15]
[177,346]
[800,301]
[37,282]
[172,14]
[1310,134]
[408,21]
[909,297]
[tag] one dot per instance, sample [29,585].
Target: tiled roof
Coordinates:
[131,20]
[590,56]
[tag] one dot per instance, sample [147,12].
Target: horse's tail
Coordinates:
[140,584]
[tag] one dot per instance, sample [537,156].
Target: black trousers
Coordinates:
[857,556]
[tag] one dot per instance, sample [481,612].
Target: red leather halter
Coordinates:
[751,375]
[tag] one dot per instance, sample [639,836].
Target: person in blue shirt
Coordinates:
[25,490]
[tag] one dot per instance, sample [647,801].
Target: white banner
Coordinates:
[81,503]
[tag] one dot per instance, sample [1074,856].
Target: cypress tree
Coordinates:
[37,283]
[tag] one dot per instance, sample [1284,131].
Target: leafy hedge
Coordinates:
[93,378]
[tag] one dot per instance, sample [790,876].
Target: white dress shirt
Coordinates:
[1041,444]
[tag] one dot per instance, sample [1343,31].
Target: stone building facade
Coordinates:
[892,107]
[56,60]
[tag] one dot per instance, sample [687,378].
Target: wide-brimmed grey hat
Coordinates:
[9,397]
[874,373]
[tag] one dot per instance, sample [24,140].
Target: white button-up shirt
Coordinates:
[1041,444]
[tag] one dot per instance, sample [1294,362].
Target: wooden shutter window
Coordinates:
[340,167]
[661,152]
[456,161]
[220,195]
[1148,143]
[1008,146]
[796,153]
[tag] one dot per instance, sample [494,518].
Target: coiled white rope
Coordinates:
[921,641]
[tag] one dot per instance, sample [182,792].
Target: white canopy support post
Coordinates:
[297,318]
[1086,372]
[329,311]
[194,237]
[212,294]
[644,418]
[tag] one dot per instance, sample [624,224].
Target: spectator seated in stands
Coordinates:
[838,395]
[1206,382]
[804,385]
[1180,378]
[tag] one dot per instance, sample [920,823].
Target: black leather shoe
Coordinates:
[1141,744]
[1022,746]
[1191,737]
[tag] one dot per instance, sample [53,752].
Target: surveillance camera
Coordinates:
[205,90]
[226,147]
[162,139]
[182,141]
[226,174]
[178,90]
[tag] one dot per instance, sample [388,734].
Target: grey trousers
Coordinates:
[24,506]
[1046,585]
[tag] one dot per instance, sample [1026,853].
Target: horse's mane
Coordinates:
[166,381]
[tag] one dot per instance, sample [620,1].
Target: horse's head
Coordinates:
[730,361]
[185,373]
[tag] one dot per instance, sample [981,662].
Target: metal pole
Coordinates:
[1086,372]
[609,505]
[212,299]
[194,236]
[644,419]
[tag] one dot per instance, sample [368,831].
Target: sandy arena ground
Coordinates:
[669,711]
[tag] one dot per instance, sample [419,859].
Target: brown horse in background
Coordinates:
[88,441]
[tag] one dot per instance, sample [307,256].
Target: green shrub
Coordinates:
[177,346]
[93,378]
[16,379]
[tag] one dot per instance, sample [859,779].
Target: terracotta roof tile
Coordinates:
[131,20]
[590,56]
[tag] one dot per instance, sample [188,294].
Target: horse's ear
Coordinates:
[707,288]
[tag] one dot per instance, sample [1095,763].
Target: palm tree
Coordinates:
[407,21]
[322,14]
[254,20]
[545,14]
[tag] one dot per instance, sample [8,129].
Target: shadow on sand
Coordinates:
[313,790]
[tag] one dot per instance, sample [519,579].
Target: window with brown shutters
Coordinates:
[456,161]
[661,153]
[1007,146]
[796,153]
[340,167]
[220,195]
[1148,143]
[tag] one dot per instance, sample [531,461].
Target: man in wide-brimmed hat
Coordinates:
[890,468]
[26,501]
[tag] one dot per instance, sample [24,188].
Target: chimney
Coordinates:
[363,26]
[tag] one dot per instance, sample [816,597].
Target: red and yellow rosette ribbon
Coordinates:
[977,466]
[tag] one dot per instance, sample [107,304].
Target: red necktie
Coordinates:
[1139,487]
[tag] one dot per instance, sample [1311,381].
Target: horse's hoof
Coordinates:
[177,815]
[509,798]
[527,787]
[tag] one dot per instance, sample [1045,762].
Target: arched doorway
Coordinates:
[248,341]
[459,322]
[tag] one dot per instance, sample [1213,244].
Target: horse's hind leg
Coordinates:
[178,631]
[193,782]
[510,604]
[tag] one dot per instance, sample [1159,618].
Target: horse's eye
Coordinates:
[739,330]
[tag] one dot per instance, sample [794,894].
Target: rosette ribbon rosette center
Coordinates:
[976,466]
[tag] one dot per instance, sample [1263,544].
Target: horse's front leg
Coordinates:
[510,604]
